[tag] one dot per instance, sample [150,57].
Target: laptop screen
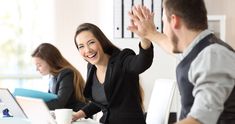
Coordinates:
[36,109]
[8,101]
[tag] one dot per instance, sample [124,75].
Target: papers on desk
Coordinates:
[34,94]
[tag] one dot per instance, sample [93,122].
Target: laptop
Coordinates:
[36,110]
[24,107]
[8,101]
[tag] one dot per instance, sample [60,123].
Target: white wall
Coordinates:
[71,13]
[227,8]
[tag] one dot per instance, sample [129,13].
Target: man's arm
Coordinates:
[189,120]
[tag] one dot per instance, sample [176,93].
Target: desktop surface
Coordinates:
[85,121]
[13,120]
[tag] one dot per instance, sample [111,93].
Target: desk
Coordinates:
[85,121]
[26,121]
[14,121]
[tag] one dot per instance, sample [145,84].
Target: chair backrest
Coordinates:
[160,101]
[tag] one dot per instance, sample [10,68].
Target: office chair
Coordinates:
[160,101]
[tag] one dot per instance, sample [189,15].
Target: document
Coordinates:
[34,94]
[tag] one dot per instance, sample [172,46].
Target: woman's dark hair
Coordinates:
[106,44]
[193,12]
[52,56]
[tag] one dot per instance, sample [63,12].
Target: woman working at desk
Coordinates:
[66,81]
[113,77]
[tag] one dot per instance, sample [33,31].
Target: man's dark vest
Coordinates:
[186,87]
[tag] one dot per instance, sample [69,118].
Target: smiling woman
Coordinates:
[110,72]
[23,22]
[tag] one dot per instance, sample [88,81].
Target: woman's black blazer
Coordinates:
[121,87]
[63,87]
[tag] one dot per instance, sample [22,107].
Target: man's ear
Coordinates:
[175,21]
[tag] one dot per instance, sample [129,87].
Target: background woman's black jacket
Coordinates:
[121,87]
[64,88]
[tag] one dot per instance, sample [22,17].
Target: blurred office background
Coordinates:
[26,23]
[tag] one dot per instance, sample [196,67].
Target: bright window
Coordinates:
[24,24]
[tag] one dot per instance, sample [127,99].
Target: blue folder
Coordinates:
[34,94]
